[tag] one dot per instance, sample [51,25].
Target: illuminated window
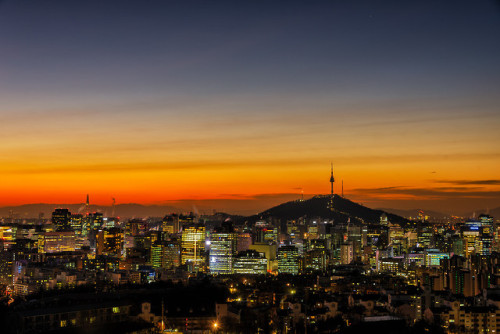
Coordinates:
[116,310]
[64,323]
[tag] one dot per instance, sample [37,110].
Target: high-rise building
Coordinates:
[61,219]
[266,234]
[93,222]
[222,249]
[172,253]
[470,233]
[110,242]
[346,253]
[316,260]
[54,242]
[158,256]
[288,260]
[269,251]
[425,236]
[76,223]
[250,262]
[484,241]
[193,246]
[355,237]
[244,241]
[170,224]
[6,266]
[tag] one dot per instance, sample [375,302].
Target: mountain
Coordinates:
[495,213]
[414,213]
[121,210]
[314,207]
[318,207]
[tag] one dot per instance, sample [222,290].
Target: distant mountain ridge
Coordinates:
[314,207]
[495,213]
[318,207]
[414,213]
[130,210]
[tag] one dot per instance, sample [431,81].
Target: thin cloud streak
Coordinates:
[442,192]
[469,182]
[221,164]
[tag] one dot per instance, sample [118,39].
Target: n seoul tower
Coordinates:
[332,179]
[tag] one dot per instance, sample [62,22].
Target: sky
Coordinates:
[241,105]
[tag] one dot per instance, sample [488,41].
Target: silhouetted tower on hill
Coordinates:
[332,179]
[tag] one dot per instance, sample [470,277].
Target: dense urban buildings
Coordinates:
[335,266]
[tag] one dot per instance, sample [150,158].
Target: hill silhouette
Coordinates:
[343,209]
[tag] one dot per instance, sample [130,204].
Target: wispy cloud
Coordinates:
[469,182]
[438,193]
[254,163]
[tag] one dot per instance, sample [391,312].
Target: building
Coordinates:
[166,254]
[433,257]
[54,242]
[222,249]
[110,242]
[92,223]
[269,251]
[61,219]
[288,260]
[346,253]
[250,262]
[76,223]
[193,246]
[6,266]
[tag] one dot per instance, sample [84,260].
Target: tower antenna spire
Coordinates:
[332,179]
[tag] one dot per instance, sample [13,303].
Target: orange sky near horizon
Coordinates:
[242,106]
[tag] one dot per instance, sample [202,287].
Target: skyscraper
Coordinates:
[250,262]
[222,249]
[193,246]
[288,260]
[61,219]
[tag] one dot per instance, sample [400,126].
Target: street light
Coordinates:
[215,326]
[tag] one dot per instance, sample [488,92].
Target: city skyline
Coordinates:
[245,106]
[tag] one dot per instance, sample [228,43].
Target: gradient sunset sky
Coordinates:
[240,105]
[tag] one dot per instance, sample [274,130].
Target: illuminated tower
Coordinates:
[332,179]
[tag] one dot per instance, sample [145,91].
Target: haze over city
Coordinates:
[241,106]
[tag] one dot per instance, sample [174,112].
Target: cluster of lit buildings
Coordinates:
[70,250]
